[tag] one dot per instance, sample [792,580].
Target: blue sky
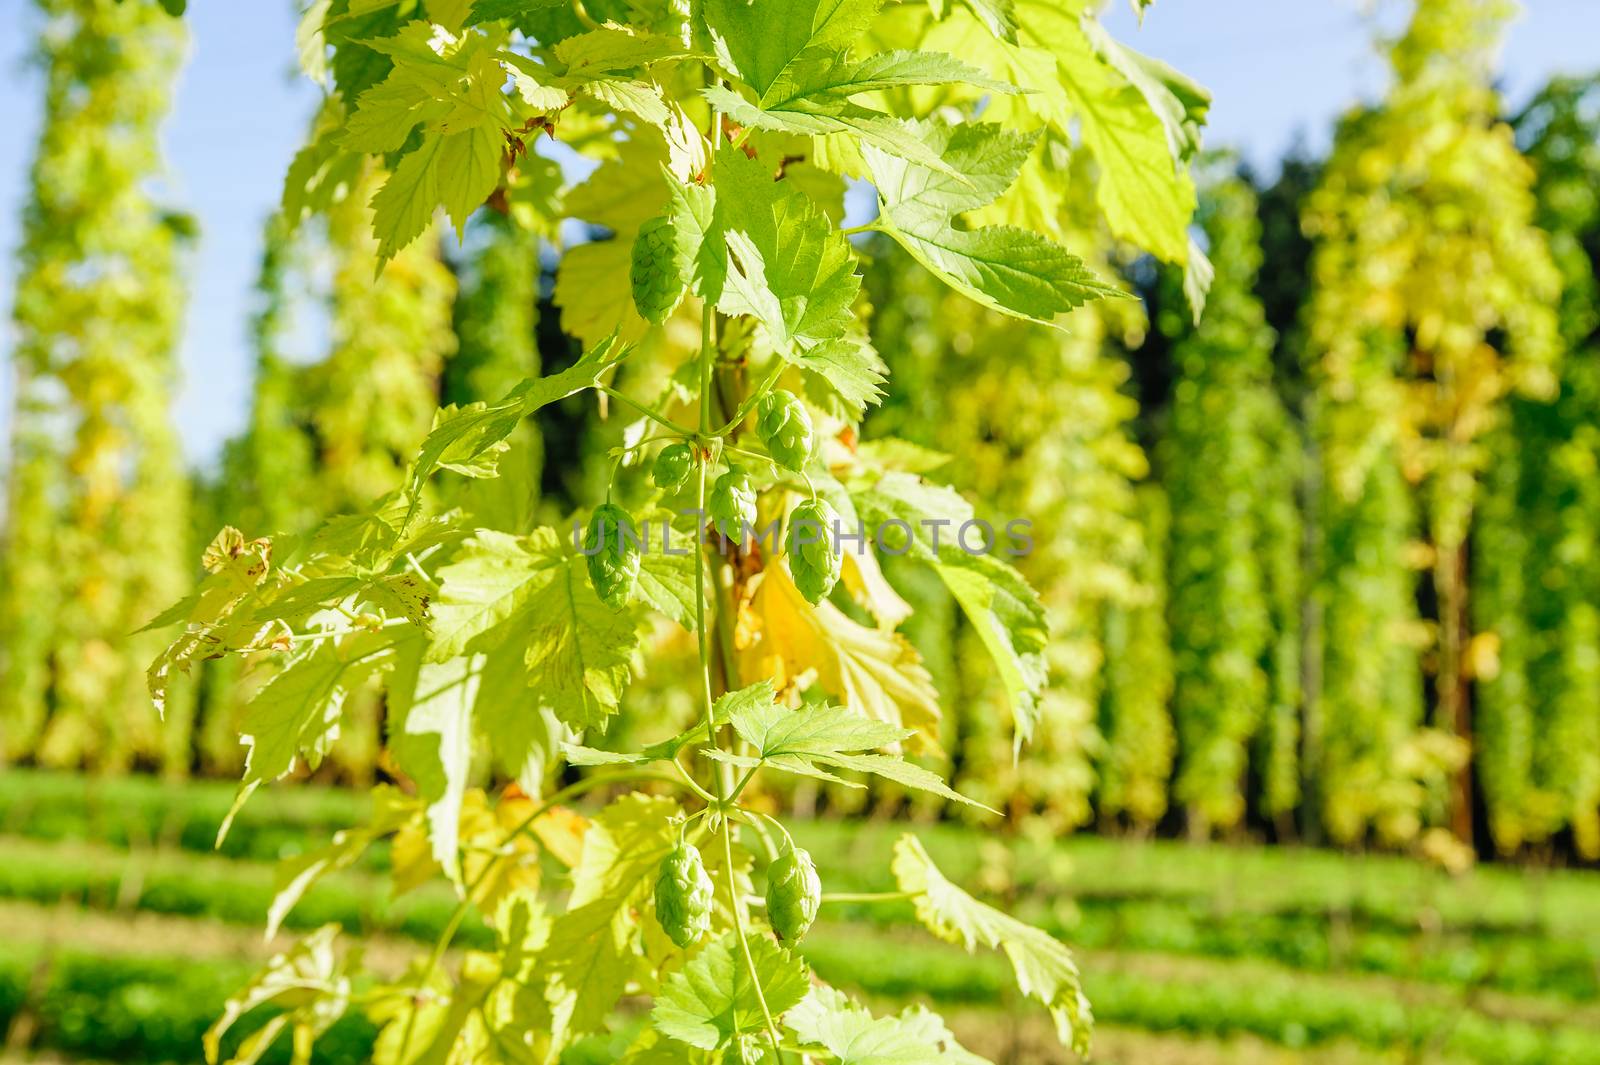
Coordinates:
[1278,69]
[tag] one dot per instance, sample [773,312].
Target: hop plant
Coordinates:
[683,896]
[794,892]
[658,277]
[733,504]
[757,243]
[812,559]
[612,545]
[672,467]
[785,428]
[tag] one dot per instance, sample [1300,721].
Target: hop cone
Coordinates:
[613,547]
[683,896]
[793,894]
[672,467]
[658,277]
[785,427]
[733,504]
[812,560]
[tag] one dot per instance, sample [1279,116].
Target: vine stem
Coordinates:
[659,419]
[749,404]
[718,778]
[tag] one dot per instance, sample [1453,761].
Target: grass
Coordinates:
[1192,954]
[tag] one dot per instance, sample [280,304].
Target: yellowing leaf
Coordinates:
[1044,968]
[874,673]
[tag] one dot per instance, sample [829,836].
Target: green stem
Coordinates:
[718,776]
[629,401]
[754,456]
[865,227]
[778,366]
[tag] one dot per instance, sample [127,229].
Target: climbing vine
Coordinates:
[1431,304]
[719,311]
[98,500]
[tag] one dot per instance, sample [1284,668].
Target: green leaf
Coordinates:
[1043,967]
[307,980]
[1004,611]
[788,266]
[470,169]
[391,809]
[527,739]
[613,50]
[998,15]
[759,40]
[799,741]
[1145,191]
[1012,270]
[534,590]
[430,707]
[775,730]
[692,210]
[819,76]
[666,576]
[712,1000]
[386,114]
[849,1032]
[469,440]
[1180,103]
[850,368]
[403,207]
[589,957]
[985,155]
[641,99]
[892,135]
[813,94]
[1011,621]
[728,704]
[298,711]
[498,10]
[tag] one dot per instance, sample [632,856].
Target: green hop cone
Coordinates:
[613,550]
[793,894]
[672,467]
[683,896]
[812,560]
[733,504]
[659,278]
[785,427]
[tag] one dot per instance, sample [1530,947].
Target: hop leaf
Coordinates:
[660,271]
[794,892]
[812,560]
[672,467]
[613,550]
[785,428]
[683,896]
[733,504]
